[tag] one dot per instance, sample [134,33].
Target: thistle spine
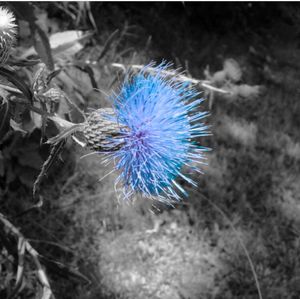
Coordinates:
[8,31]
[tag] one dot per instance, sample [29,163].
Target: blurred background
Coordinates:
[93,245]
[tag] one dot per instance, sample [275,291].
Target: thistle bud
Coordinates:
[8,30]
[102,132]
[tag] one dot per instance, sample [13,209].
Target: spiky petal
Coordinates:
[158,118]
[163,119]
[8,30]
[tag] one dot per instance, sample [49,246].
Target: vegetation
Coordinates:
[63,232]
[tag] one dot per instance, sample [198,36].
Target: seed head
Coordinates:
[158,120]
[8,30]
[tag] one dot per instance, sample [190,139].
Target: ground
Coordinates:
[248,196]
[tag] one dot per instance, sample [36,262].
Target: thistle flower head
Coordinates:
[159,120]
[8,30]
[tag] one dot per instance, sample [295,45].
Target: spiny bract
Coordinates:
[8,30]
[162,119]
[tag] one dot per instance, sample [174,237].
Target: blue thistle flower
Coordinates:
[159,118]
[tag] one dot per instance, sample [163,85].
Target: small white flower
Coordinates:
[8,30]
[7,22]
